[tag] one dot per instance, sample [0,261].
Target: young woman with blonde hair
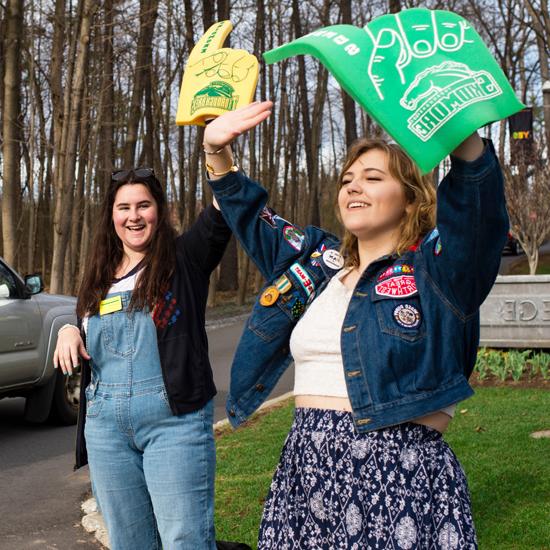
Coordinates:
[383,329]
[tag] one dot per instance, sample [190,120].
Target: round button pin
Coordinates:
[407,315]
[269,296]
[333,259]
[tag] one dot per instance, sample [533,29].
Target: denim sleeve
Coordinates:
[463,255]
[206,240]
[269,240]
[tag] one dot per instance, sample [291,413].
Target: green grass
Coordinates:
[508,471]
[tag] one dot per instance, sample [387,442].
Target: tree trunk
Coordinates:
[348,102]
[11,129]
[196,147]
[394,6]
[533,259]
[541,25]
[64,200]
[147,19]
[105,164]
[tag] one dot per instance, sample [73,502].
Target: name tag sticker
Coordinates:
[110,305]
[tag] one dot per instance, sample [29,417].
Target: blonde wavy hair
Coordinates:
[419,191]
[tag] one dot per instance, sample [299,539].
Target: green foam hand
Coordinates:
[425,76]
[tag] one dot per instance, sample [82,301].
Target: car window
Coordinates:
[8,288]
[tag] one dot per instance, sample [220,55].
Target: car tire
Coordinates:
[66,398]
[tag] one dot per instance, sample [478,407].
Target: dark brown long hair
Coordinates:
[419,191]
[106,252]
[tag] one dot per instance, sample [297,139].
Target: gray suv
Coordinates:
[29,321]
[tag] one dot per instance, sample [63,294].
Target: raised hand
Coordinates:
[224,129]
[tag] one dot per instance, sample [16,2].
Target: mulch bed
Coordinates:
[537,382]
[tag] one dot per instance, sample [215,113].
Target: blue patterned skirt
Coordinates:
[400,487]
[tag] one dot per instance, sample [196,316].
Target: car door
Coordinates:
[20,332]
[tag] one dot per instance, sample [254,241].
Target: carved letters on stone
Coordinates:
[516,310]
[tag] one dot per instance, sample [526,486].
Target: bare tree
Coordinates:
[347,100]
[527,193]
[68,154]
[540,19]
[11,128]
[142,82]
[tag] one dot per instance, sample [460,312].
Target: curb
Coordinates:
[225,321]
[92,521]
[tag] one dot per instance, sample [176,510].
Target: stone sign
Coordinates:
[516,313]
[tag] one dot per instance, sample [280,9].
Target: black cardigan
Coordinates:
[183,345]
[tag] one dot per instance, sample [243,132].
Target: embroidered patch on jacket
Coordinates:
[315,258]
[400,286]
[437,246]
[166,311]
[406,315]
[283,284]
[297,309]
[268,216]
[395,270]
[303,277]
[293,236]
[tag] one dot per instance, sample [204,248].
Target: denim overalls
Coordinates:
[152,472]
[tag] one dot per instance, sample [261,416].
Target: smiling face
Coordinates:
[135,217]
[371,201]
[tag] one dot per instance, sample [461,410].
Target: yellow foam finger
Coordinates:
[216,79]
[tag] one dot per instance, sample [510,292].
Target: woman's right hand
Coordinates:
[69,346]
[224,129]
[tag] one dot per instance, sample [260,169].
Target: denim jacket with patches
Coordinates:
[410,335]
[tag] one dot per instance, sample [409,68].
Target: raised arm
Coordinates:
[472,222]
[222,131]
[270,241]
[206,240]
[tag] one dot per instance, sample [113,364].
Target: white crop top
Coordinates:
[315,344]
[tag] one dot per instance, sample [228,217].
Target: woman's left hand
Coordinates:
[224,129]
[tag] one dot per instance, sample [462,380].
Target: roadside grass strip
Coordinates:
[507,469]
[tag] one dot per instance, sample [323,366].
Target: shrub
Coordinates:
[496,364]
[515,363]
[481,366]
[539,363]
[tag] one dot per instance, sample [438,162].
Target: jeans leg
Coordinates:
[179,464]
[119,484]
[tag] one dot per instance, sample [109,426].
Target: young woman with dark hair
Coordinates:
[146,398]
[383,328]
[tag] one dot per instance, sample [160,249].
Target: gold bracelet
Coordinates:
[210,170]
[216,152]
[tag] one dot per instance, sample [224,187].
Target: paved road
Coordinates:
[40,495]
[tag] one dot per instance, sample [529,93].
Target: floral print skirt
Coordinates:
[400,487]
